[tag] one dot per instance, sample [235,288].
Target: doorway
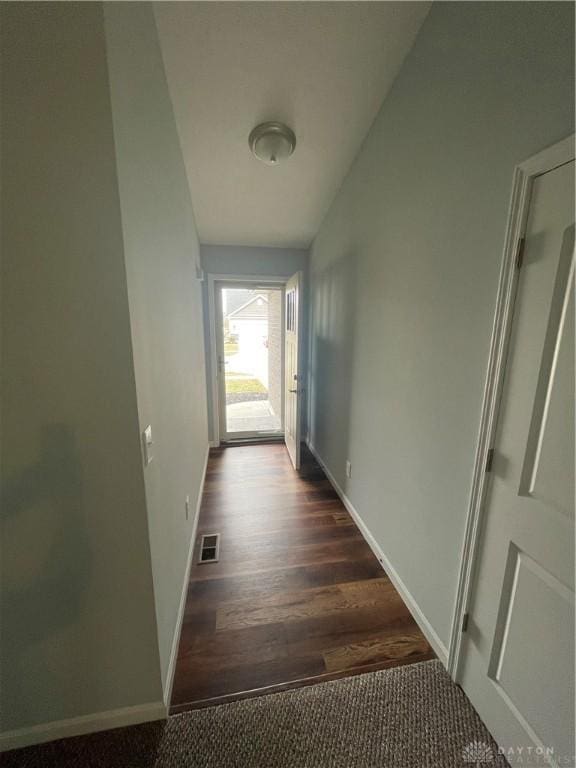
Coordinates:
[250,360]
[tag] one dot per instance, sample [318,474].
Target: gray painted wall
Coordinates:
[77,595]
[162,252]
[404,275]
[241,260]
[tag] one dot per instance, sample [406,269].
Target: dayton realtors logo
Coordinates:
[478,753]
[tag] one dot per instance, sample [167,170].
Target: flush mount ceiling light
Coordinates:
[272,142]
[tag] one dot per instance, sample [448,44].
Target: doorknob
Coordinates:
[293,390]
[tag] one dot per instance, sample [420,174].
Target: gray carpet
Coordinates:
[407,717]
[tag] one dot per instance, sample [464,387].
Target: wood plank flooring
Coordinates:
[297,595]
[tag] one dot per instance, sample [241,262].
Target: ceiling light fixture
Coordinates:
[272,142]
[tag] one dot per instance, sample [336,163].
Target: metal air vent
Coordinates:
[209,548]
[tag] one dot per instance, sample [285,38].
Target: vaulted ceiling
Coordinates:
[323,68]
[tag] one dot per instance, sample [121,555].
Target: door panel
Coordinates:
[533,601]
[293,373]
[518,654]
[546,472]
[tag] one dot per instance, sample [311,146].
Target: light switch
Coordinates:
[147,440]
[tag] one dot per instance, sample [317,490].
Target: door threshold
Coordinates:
[251,441]
[304,682]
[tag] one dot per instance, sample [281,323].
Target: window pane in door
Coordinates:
[252,326]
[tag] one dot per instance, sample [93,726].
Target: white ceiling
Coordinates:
[323,68]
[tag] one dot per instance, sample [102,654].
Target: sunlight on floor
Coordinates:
[253,416]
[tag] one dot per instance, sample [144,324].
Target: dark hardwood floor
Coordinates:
[297,596]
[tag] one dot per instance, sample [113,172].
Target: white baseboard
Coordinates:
[176,638]
[427,629]
[77,726]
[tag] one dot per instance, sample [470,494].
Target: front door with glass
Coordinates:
[250,360]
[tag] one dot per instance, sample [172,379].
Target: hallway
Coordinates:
[297,596]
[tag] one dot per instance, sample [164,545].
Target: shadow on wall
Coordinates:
[333,323]
[45,498]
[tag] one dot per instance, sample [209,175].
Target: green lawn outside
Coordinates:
[253,386]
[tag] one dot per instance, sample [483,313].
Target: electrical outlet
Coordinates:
[187,505]
[348,469]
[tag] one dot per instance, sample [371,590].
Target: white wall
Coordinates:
[244,260]
[162,252]
[78,626]
[404,274]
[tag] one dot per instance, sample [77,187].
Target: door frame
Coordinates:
[552,157]
[213,280]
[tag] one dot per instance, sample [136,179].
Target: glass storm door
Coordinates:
[250,360]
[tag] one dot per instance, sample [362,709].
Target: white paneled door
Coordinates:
[292,368]
[518,651]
